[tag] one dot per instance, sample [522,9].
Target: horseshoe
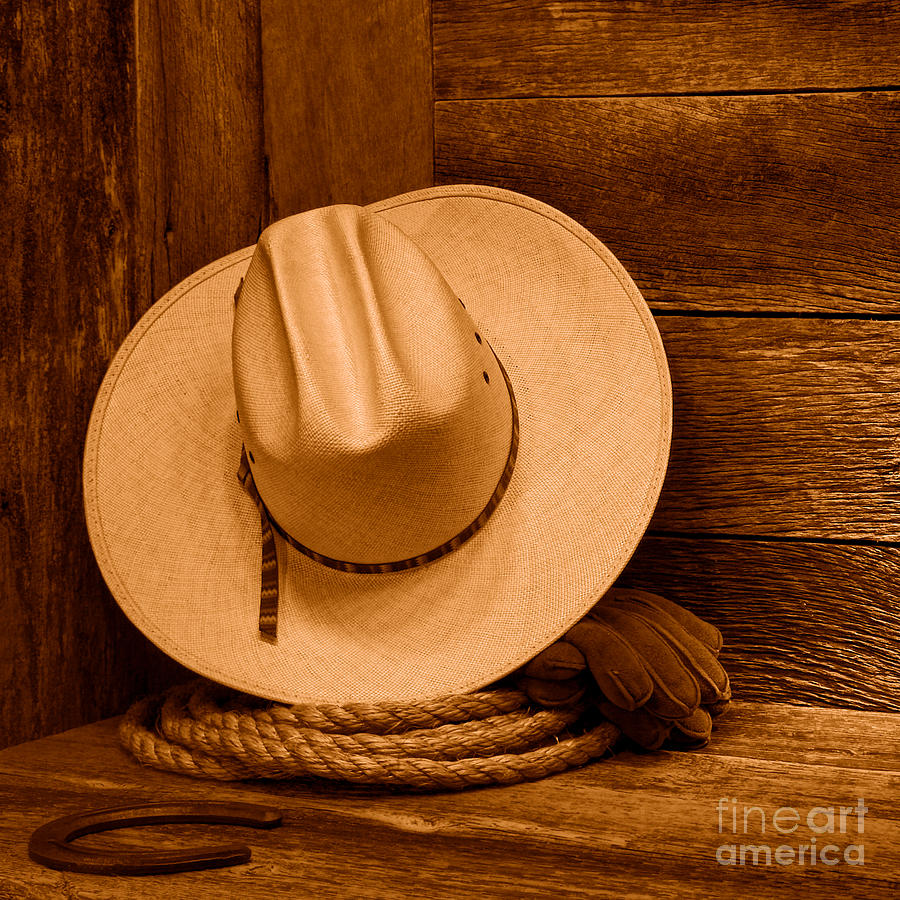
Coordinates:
[50,843]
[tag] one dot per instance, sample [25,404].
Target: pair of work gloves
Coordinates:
[650,666]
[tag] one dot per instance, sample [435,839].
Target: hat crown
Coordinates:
[376,417]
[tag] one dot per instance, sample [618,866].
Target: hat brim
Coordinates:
[178,540]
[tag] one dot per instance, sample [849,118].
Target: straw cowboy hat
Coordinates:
[390,452]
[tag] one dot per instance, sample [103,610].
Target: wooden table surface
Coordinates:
[635,825]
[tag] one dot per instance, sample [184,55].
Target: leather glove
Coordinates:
[649,665]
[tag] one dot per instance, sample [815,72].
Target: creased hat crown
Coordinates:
[375,415]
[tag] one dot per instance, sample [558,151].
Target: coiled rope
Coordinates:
[454,742]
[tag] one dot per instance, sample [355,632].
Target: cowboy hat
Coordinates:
[389,452]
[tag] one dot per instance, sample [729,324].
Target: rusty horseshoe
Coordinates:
[50,843]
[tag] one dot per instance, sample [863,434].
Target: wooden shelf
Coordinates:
[634,825]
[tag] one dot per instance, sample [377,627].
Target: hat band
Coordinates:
[268,597]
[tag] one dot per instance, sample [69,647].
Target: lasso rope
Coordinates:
[454,742]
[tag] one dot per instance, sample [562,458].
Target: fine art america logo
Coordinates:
[821,835]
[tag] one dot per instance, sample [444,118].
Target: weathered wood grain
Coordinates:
[810,736]
[200,164]
[348,101]
[516,48]
[804,623]
[67,251]
[637,825]
[782,203]
[783,427]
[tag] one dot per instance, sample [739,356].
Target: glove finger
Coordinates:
[691,733]
[619,672]
[551,692]
[675,690]
[717,708]
[679,741]
[638,724]
[704,631]
[697,656]
[697,725]
[557,662]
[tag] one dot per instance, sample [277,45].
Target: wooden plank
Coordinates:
[521,48]
[67,249]
[781,203]
[202,189]
[783,427]
[348,101]
[804,623]
[812,736]
[636,825]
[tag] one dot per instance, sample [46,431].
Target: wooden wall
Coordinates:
[139,142]
[738,158]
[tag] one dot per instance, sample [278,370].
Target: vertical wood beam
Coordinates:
[348,100]
[200,166]
[67,247]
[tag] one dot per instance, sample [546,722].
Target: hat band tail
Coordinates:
[268,590]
